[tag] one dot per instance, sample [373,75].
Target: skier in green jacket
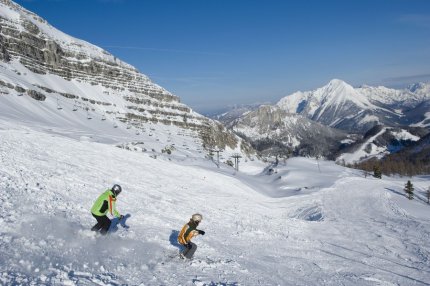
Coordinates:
[105,203]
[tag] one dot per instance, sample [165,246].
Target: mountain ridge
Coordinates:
[339,105]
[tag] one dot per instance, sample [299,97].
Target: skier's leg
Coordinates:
[98,225]
[183,252]
[105,225]
[191,251]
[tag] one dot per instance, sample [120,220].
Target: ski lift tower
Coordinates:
[88,112]
[217,156]
[236,160]
[58,104]
[75,107]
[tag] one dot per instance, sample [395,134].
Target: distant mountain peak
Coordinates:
[338,104]
[415,86]
[337,82]
[419,87]
[339,87]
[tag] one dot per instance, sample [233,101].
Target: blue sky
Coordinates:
[214,53]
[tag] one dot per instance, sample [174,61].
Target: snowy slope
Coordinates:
[362,153]
[309,223]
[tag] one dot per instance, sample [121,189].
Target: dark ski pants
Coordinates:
[189,252]
[102,225]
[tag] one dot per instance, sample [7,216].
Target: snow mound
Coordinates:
[308,213]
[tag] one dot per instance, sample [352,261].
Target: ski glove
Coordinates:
[201,232]
[121,217]
[189,245]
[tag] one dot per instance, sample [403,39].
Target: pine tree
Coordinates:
[377,172]
[409,189]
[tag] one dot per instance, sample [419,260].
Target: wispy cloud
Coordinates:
[401,81]
[163,50]
[419,20]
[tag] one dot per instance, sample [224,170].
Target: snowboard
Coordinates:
[189,253]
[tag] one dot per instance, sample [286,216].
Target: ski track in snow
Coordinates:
[329,228]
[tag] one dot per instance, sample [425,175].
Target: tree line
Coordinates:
[398,164]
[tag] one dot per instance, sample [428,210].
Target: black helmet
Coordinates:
[116,189]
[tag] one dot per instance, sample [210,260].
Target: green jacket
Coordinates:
[105,203]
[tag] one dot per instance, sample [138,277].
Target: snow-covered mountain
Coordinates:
[379,142]
[342,106]
[274,131]
[51,79]
[327,104]
[303,122]
[234,112]
[422,89]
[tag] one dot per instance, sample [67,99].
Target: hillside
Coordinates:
[50,79]
[381,141]
[275,132]
[308,223]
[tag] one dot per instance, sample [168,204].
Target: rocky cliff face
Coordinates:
[45,64]
[42,49]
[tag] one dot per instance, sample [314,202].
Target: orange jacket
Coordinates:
[187,233]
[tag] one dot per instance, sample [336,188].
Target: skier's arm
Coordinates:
[202,232]
[112,208]
[116,213]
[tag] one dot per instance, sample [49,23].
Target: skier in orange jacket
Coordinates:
[188,231]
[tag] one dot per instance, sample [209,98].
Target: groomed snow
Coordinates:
[308,223]
[363,151]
